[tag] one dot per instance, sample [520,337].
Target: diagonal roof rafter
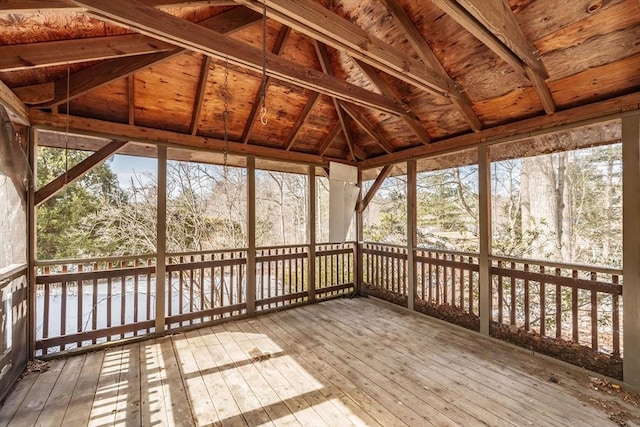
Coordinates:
[495,25]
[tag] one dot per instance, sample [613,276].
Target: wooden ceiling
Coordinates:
[362,81]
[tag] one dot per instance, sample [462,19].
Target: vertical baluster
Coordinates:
[46,315]
[430,277]
[64,285]
[94,314]
[80,308]
[543,310]
[437,279]
[558,306]
[527,304]
[181,276]
[231,301]
[269,275]
[148,307]
[422,278]
[109,296]
[470,261]
[512,309]
[615,308]
[223,283]
[594,314]
[136,283]
[404,274]
[191,290]
[574,309]
[201,281]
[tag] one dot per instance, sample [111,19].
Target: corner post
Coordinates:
[251,235]
[484,190]
[311,235]
[161,243]
[631,248]
[412,212]
[32,144]
[358,257]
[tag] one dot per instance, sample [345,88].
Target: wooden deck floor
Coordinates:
[338,363]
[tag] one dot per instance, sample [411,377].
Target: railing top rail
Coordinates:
[39,263]
[389,245]
[545,263]
[447,251]
[208,252]
[301,245]
[347,242]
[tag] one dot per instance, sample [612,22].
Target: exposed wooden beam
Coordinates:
[325,64]
[328,140]
[197,103]
[35,94]
[302,117]
[76,172]
[115,69]
[368,127]
[493,23]
[14,106]
[417,41]
[319,23]
[277,49]
[163,26]
[60,52]
[517,130]
[384,173]
[374,76]
[34,6]
[112,130]
[499,19]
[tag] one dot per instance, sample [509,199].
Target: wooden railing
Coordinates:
[447,277]
[577,303]
[85,302]
[335,269]
[203,286]
[281,275]
[385,267]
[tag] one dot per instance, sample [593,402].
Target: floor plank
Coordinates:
[343,362]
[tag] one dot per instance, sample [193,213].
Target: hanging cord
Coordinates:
[263,117]
[225,113]
[66,133]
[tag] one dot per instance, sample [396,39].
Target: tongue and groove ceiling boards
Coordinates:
[365,82]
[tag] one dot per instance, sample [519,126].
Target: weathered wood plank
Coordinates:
[14,106]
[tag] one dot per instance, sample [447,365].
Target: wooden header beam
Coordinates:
[111,130]
[166,27]
[518,130]
[35,6]
[76,172]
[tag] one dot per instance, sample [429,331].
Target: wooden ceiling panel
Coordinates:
[317,126]
[242,87]
[41,75]
[109,102]
[165,93]
[598,83]
[284,104]
[466,60]
[541,18]
[594,52]
[517,104]
[299,48]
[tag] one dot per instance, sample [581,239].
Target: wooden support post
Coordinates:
[161,243]
[31,245]
[311,230]
[412,212]
[484,187]
[358,258]
[251,235]
[631,248]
